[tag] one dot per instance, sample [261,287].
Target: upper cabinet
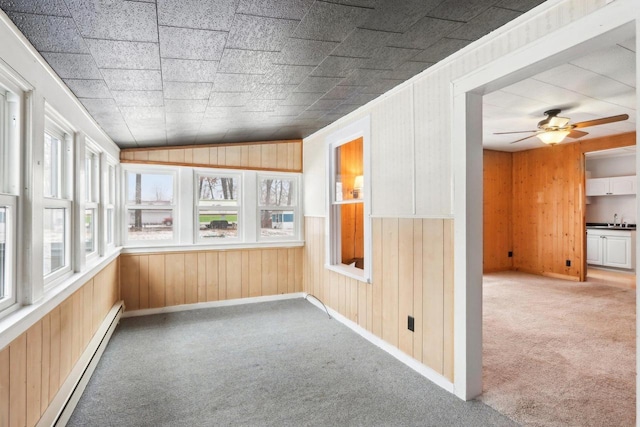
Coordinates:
[613,186]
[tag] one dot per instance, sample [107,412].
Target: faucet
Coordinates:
[615,218]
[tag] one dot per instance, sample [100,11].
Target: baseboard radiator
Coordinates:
[65,401]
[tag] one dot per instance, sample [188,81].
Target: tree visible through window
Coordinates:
[277,200]
[150,206]
[218,210]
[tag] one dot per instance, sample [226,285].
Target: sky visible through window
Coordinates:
[154,188]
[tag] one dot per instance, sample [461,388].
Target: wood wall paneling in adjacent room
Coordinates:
[176,278]
[283,156]
[412,276]
[36,364]
[497,206]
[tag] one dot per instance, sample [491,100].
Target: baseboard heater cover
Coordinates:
[65,401]
[423,370]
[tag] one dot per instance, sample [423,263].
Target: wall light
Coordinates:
[358,184]
[553,137]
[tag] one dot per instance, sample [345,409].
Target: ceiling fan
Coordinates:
[553,129]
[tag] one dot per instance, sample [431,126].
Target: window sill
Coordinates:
[205,247]
[21,319]
[349,271]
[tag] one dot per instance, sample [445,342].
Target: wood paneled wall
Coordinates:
[412,276]
[283,156]
[497,216]
[547,206]
[176,278]
[36,364]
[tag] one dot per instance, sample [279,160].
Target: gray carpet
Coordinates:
[270,364]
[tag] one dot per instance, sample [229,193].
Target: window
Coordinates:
[150,206]
[109,204]
[57,201]
[218,215]
[277,207]
[348,246]
[91,197]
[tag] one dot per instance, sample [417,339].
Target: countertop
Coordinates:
[605,226]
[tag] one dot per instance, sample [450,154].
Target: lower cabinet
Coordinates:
[610,248]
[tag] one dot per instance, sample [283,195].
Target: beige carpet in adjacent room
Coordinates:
[558,353]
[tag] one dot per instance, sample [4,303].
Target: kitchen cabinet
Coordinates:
[618,185]
[610,248]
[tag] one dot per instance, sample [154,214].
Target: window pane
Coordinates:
[111,183]
[218,224]
[277,192]
[89,226]
[150,224]
[54,239]
[52,164]
[276,223]
[217,191]
[349,171]
[88,169]
[3,249]
[109,226]
[149,189]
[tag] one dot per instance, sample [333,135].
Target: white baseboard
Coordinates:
[65,401]
[212,304]
[423,370]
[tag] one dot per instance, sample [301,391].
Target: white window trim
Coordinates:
[93,201]
[297,211]
[358,129]
[239,208]
[10,260]
[174,207]
[108,199]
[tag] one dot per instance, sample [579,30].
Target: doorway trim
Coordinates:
[596,30]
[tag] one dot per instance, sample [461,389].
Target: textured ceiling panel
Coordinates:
[155,72]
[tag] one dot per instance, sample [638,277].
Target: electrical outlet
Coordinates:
[411,324]
[510,254]
[568,263]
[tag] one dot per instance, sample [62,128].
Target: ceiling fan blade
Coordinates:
[519,131]
[575,134]
[601,121]
[522,139]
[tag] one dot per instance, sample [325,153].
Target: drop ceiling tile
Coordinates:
[331,21]
[362,43]
[337,66]
[361,98]
[424,33]
[362,77]
[370,4]
[201,14]
[287,9]
[260,33]
[215,114]
[344,109]
[389,58]
[318,84]
[519,5]
[119,20]
[182,90]
[88,88]
[302,98]
[189,70]
[50,33]
[138,98]
[121,136]
[146,114]
[398,16]
[484,23]
[225,82]
[185,105]
[380,86]
[304,52]
[457,10]
[151,137]
[261,105]
[286,74]
[341,92]
[629,44]
[407,70]
[312,114]
[289,110]
[184,120]
[617,63]
[73,65]
[266,91]
[229,99]
[440,50]
[244,61]
[125,55]
[325,104]
[187,43]
[132,79]
[106,108]
[40,7]
[182,136]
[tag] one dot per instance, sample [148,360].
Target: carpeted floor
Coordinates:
[270,364]
[559,353]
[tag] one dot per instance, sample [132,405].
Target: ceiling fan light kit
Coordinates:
[553,137]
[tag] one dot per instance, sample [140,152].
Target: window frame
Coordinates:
[173,207]
[239,207]
[64,200]
[109,197]
[297,212]
[92,197]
